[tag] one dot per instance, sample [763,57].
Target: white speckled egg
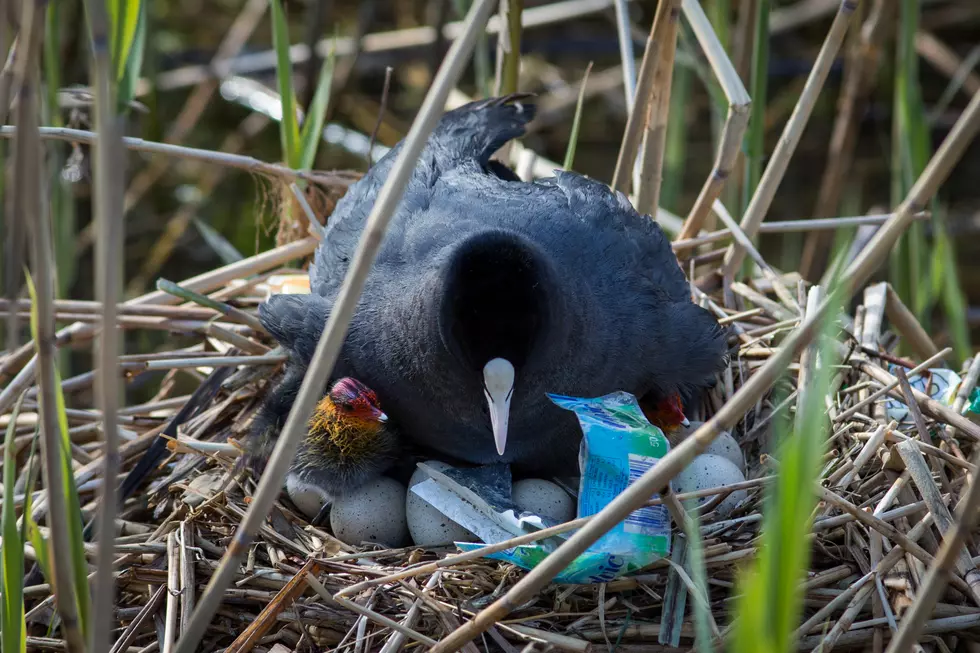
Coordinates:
[711,471]
[305,496]
[724,445]
[373,513]
[426,525]
[543,498]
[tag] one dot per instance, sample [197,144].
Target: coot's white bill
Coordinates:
[498,387]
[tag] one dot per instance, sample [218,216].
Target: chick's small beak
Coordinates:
[677,410]
[377,414]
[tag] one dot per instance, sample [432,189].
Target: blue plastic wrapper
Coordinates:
[618,446]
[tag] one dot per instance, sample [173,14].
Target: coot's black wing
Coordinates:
[646,296]
[296,322]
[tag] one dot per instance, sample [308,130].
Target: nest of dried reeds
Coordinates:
[197,565]
[885,500]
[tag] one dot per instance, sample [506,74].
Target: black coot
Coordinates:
[489,292]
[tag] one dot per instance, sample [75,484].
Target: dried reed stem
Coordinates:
[640,111]
[173,594]
[655,131]
[736,121]
[790,138]
[328,348]
[862,67]
[109,170]
[790,226]
[29,204]
[905,323]
[626,54]
[922,477]
[246,163]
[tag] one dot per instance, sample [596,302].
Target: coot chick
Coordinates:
[489,292]
[349,441]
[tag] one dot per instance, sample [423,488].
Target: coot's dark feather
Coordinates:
[561,276]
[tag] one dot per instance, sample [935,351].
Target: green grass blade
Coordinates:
[954,302]
[221,246]
[62,201]
[920,277]
[14,629]
[74,527]
[769,605]
[30,530]
[316,113]
[123,19]
[288,127]
[126,91]
[577,121]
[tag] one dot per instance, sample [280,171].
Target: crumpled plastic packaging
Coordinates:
[618,446]
[938,383]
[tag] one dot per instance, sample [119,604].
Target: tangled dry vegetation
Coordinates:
[895,504]
[885,500]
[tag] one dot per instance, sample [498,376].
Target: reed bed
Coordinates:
[857,527]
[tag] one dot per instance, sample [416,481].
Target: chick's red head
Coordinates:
[351,398]
[668,413]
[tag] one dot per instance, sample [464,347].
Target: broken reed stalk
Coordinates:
[736,121]
[23,363]
[655,131]
[640,109]
[331,340]
[922,477]
[30,206]
[657,477]
[109,169]
[240,162]
[790,138]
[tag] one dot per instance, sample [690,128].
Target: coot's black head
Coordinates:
[495,301]
[495,313]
